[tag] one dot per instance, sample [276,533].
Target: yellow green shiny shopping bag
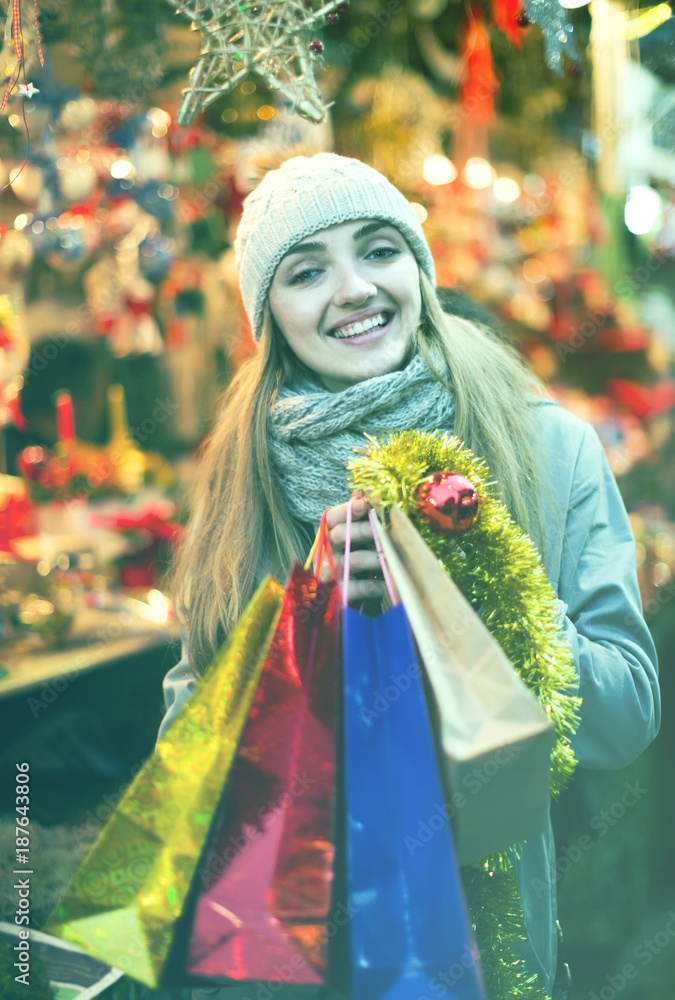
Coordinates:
[124,900]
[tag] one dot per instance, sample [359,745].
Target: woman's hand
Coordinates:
[365,576]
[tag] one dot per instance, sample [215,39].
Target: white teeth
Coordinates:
[354,329]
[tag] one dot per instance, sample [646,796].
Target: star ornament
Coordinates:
[271,38]
[27,90]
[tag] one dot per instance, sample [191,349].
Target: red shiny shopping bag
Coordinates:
[262,912]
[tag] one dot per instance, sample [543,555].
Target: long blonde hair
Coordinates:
[240,524]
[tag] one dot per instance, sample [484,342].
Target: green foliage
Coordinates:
[121,47]
[496,566]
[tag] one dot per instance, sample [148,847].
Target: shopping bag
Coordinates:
[262,913]
[495,737]
[124,900]
[408,920]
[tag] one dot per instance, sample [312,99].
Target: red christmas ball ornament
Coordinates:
[32,463]
[448,501]
[522,20]
[316,47]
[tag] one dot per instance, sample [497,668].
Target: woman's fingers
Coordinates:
[363,590]
[361,561]
[338,514]
[364,564]
[337,527]
[361,532]
[363,567]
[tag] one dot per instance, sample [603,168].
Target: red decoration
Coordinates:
[137,575]
[65,417]
[522,20]
[16,416]
[505,16]
[155,519]
[17,519]
[316,47]
[448,501]
[640,400]
[13,32]
[479,83]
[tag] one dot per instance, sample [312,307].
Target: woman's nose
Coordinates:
[352,287]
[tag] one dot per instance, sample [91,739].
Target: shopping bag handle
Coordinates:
[321,546]
[388,582]
[348,548]
[380,555]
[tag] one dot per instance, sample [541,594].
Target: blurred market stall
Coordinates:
[536,141]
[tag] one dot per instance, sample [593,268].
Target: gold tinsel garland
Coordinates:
[496,566]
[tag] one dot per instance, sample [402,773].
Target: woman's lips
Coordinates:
[369,337]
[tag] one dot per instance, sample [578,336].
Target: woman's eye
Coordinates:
[303,276]
[382,253]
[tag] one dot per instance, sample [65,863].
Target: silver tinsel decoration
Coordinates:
[554,21]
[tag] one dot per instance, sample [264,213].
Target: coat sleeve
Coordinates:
[178,686]
[603,621]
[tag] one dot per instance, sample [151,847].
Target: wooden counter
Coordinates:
[97,639]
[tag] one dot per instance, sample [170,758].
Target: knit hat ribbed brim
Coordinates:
[303,196]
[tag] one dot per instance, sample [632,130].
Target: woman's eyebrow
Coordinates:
[371,227]
[313,246]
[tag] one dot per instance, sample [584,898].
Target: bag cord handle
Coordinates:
[348,549]
[389,583]
[321,546]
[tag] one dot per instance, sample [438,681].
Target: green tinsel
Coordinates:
[497,568]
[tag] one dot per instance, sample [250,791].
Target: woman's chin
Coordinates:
[337,382]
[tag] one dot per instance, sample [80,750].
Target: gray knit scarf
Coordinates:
[313,432]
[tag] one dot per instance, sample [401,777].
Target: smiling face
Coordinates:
[347,300]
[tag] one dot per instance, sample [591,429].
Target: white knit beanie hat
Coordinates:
[302,196]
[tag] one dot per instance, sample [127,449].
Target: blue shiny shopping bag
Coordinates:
[409,930]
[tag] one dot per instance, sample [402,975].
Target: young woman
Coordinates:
[338,281]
